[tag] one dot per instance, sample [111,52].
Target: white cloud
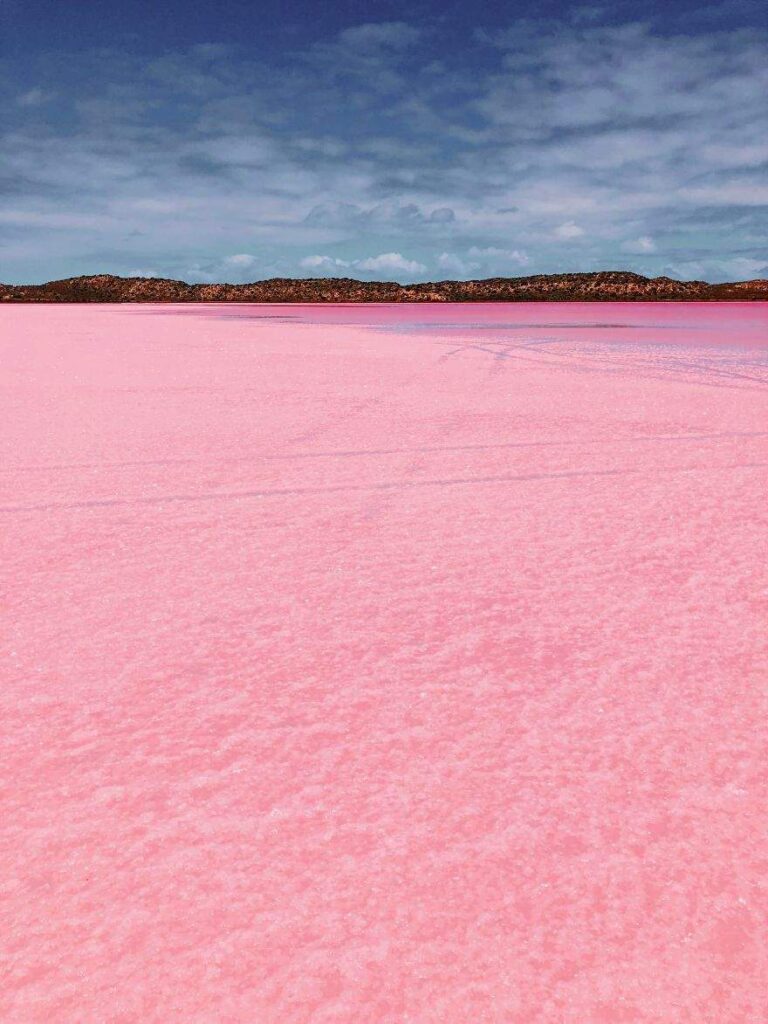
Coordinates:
[744,267]
[142,272]
[643,244]
[384,263]
[734,193]
[388,213]
[602,135]
[240,259]
[486,260]
[569,230]
[738,268]
[454,264]
[393,262]
[492,254]
[323,263]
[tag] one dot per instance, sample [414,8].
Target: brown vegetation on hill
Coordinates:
[602,286]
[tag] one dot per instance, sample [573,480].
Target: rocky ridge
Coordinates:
[601,286]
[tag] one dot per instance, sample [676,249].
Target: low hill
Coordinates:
[602,286]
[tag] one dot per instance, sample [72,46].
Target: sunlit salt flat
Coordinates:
[384,664]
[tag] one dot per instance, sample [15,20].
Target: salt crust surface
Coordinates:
[384,664]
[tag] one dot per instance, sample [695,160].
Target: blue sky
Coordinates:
[236,141]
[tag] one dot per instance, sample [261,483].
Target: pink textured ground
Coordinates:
[384,664]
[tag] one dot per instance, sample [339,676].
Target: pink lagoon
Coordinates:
[384,664]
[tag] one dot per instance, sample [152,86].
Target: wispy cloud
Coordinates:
[568,230]
[33,97]
[386,263]
[391,263]
[549,146]
[643,244]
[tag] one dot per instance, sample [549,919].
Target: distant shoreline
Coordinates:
[599,286]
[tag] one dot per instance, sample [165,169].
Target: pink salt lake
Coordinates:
[372,665]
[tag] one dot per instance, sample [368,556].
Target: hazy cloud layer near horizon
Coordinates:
[381,150]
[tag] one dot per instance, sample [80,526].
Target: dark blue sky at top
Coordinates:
[151,26]
[237,140]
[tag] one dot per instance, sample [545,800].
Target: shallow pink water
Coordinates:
[384,664]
